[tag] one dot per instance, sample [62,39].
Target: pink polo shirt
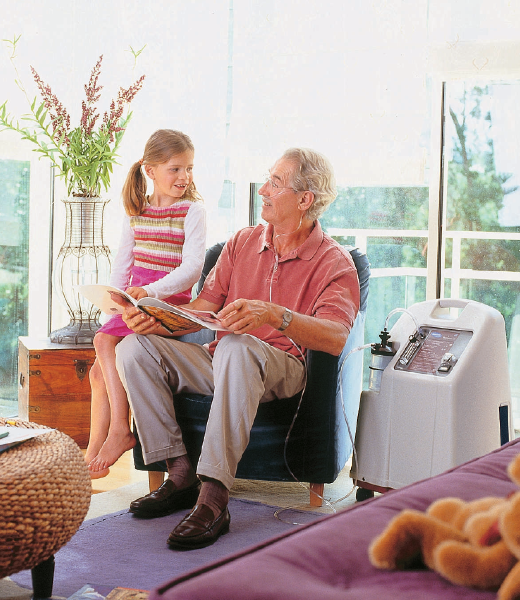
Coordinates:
[319,279]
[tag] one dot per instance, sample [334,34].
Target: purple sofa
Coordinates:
[327,559]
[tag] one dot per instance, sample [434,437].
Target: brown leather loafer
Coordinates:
[165,500]
[199,529]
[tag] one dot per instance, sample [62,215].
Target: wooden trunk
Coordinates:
[54,387]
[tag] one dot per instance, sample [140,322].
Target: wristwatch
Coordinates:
[286,321]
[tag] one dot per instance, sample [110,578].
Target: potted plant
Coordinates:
[84,157]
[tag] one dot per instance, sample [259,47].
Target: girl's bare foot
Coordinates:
[114,447]
[92,451]
[98,474]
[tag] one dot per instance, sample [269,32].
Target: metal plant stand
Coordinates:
[83,259]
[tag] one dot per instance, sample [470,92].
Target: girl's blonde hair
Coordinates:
[161,146]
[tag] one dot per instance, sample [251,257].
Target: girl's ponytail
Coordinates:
[134,190]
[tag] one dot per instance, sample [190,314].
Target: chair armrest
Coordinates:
[322,405]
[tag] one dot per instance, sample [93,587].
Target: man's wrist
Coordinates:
[286,319]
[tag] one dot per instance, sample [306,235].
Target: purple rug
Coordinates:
[120,550]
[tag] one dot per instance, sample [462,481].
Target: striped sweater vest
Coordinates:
[159,236]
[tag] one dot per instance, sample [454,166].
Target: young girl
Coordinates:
[161,255]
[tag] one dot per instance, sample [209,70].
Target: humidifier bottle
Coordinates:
[382,354]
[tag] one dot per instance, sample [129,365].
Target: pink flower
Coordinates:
[111,120]
[60,119]
[93,92]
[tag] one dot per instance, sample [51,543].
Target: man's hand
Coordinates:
[242,316]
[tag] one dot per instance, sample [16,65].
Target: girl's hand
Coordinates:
[137,320]
[141,323]
[137,292]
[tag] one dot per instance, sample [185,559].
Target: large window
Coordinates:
[14,246]
[391,225]
[479,223]
[481,228]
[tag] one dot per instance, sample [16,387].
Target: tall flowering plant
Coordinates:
[84,155]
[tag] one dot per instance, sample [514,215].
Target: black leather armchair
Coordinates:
[319,443]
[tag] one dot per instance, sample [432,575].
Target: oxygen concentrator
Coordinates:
[438,394]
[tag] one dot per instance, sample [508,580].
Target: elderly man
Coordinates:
[280,288]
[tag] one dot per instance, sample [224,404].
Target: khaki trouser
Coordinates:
[243,372]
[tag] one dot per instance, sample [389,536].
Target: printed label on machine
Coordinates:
[436,351]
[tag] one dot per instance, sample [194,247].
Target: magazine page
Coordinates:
[175,318]
[11,435]
[100,295]
[171,316]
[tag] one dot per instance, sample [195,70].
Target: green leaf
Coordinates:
[39,111]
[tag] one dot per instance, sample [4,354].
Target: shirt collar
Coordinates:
[306,251]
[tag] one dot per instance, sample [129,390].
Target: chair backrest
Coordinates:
[363,268]
[212,255]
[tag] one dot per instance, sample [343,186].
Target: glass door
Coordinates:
[14,268]
[481,224]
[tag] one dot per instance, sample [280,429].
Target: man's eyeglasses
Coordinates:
[274,186]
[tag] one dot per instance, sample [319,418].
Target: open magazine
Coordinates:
[107,592]
[173,318]
[11,435]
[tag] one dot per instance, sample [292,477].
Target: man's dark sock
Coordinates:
[180,471]
[214,494]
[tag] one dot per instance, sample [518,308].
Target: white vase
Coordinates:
[83,259]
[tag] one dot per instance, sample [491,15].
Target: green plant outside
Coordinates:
[14,261]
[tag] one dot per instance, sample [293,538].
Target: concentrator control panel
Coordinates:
[433,350]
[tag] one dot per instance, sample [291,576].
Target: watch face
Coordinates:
[287,318]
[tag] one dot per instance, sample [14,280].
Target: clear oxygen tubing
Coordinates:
[279,511]
[352,440]
[327,502]
[330,504]
[402,310]
[354,453]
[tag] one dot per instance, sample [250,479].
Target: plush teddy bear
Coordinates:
[475,544]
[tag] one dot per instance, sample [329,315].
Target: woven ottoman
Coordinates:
[45,491]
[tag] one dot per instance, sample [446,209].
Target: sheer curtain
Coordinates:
[345,78]
[474,38]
